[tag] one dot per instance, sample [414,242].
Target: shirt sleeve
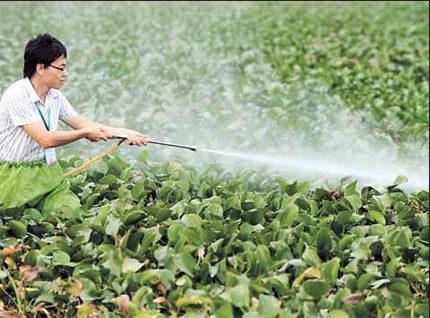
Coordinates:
[21,110]
[66,109]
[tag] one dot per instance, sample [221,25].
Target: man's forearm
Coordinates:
[58,138]
[78,122]
[133,137]
[113,130]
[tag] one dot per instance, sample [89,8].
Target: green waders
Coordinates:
[34,184]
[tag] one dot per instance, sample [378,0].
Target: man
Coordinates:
[29,113]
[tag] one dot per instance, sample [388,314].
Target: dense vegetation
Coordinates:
[164,239]
[376,58]
[172,241]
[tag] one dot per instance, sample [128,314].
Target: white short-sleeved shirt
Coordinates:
[18,108]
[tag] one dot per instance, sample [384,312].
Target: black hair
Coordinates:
[43,49]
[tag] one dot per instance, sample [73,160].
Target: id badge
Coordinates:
[51,157]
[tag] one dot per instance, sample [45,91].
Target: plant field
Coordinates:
[170,241]
[161,234]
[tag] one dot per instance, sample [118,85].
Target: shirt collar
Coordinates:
[30,90]
[32,93]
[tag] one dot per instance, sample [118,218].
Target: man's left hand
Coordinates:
[133,137]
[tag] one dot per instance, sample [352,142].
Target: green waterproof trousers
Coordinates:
[34,184]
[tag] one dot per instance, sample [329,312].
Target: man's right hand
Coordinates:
[96,134]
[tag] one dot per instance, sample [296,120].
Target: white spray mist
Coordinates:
[193,76]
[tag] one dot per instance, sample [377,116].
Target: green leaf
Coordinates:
[351,189]
[186,263]
[392,268]
[425,234]
[114,263]
[377,284]
[215,209]
[133,217]
[101,167]
[337,313]
[345,242]
[401,289]
[310,257]
[18,229]
[60,258]
[288,216]
[125,174]
[163,214]
[215,245]
[138,192]
[278,282]
[254,216]
[377,217]
[355,201]
[103,214]
[422,309]
[365,280]
[192,220]
[268,306]
[31,257]
[344,217]
[112,226]
[361,252]
[224,311]
[377,230]
[131,265]
[240,295]
[331,270]
[263,256]
[316,288]
[232,202]
[174,232]
[109,179]
[323,240]
[400,180]
[183,185]
[45,298]
[403,239]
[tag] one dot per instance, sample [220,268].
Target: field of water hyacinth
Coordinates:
[166,234]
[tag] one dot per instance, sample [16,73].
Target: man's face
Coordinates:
[55,74]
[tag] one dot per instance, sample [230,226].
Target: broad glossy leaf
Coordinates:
[131,265]
[310,257]
[316,288]
[355,201]
[186,263]
[239,295]
[268,306]
[288,216]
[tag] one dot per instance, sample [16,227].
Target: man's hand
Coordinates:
[133,137]
[96,131]
[96,134]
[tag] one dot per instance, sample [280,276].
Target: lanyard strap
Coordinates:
[47,125]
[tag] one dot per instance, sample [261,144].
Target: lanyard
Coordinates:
[47,125]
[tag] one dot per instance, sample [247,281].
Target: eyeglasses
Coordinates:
[62,69]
